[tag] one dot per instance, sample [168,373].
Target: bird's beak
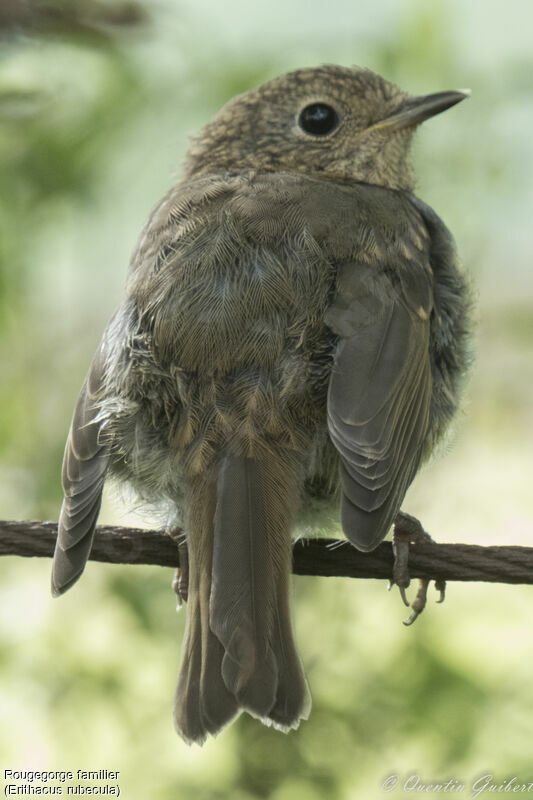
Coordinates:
[417,109]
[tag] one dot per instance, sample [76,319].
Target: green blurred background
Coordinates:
[97,103]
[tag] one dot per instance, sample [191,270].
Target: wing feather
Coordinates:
[379,398]
[84,470]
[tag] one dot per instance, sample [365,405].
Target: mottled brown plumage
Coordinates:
[294,323]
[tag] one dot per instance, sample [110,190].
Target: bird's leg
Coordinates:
[407,531]
[180,581]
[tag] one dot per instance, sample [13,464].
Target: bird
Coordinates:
[294,335]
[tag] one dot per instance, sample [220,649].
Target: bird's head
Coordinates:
[337,123]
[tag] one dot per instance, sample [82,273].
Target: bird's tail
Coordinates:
[239,652]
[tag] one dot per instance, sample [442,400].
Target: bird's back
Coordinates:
[226,337]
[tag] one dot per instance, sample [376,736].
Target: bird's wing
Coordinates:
[379,392]
[84,469]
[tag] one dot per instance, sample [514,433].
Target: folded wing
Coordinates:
[379,396]
[84,469]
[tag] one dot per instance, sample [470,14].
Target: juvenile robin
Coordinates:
[295,326]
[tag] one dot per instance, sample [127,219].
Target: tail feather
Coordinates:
[203,705]
[239,650]
[187,707]
[293,701]
[243,592]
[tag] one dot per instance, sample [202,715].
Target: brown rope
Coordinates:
[327,557]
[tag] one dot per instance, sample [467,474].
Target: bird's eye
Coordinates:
[318,119]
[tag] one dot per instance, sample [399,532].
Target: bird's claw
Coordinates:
[440,586]
[419,603]
[403,595]
[408,531]
[176,584]
[180,581]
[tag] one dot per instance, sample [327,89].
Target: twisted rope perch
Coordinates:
[326,557]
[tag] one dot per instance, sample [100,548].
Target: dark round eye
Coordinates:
[318,119]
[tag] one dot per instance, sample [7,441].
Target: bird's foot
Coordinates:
[180,581]
[408,531]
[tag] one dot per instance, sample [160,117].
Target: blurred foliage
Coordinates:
[53,127]
[97,101]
